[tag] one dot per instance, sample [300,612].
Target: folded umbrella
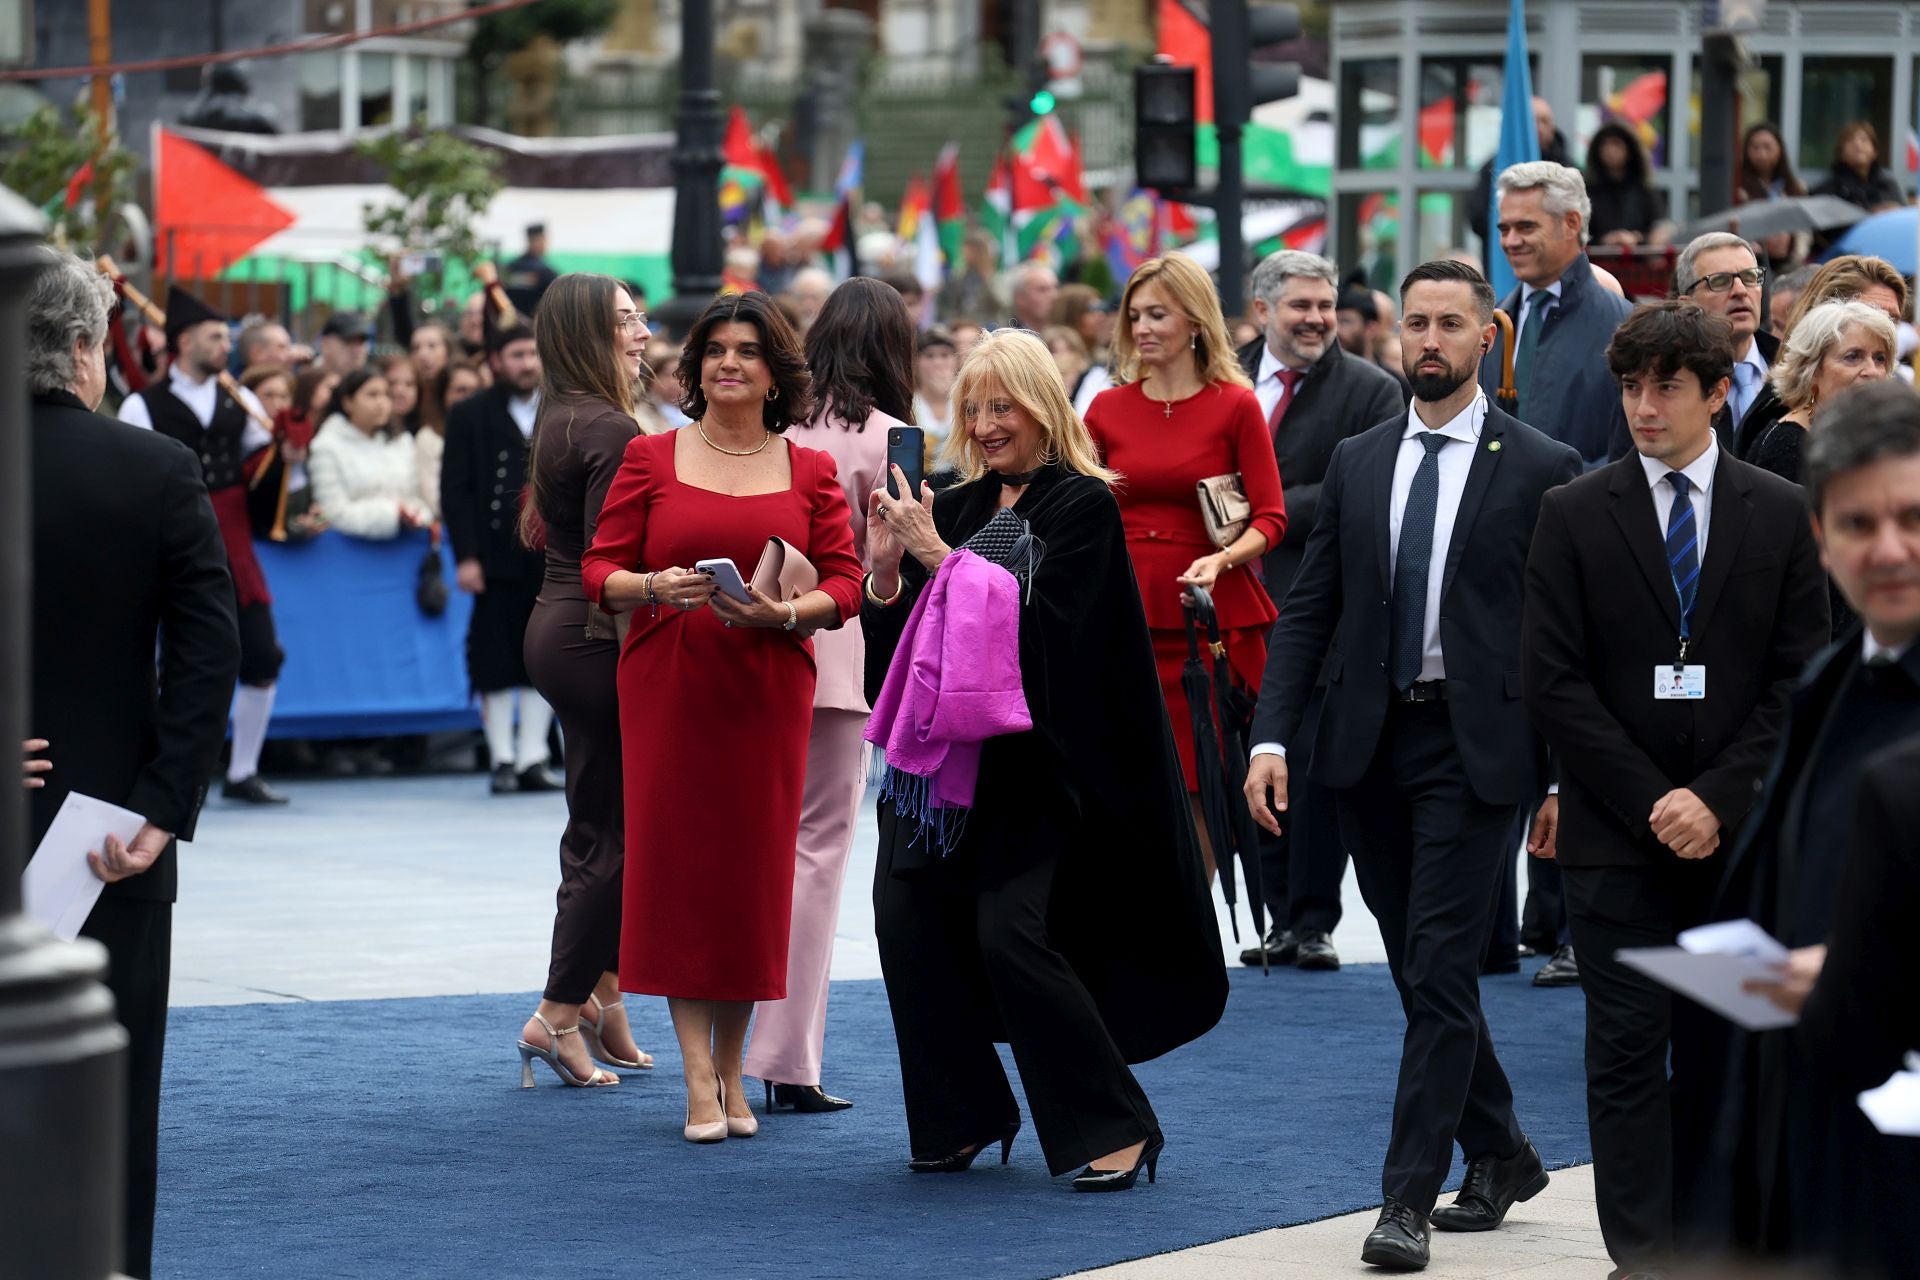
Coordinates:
[1220,764]
[1758,219]
[1197,684]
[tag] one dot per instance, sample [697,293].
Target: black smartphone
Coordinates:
[907,450]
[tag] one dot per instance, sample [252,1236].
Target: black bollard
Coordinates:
[62,1055]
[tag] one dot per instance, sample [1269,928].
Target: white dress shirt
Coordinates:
[1267,386]
[524,410]
[1700,471]
[1455,460]
[201,397]
[1871,649]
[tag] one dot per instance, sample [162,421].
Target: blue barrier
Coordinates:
[362,660]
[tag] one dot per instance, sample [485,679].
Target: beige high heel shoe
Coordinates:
[737,1127]
[590,1035]
[551,1056]
[715,1132]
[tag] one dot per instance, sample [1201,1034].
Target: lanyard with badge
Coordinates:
[1682,681]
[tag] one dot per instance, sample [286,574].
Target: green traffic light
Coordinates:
[1042,102]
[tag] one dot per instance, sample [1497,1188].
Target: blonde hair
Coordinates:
[1019,364]
[1798,364]
[1192,293]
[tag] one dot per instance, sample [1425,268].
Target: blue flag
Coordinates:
[1519,139]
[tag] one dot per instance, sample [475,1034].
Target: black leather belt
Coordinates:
[1425,691]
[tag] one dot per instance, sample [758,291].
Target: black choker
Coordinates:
[1020,481]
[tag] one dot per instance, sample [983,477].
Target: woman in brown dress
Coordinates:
[591,338]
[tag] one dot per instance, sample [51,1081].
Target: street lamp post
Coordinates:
[696,160]
[62,1055]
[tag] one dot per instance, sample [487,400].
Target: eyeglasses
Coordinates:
[632,322]
[1721,281]
[997,411]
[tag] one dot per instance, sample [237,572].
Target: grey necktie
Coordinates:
[1408,626]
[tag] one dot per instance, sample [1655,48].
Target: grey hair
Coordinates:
[1565,190]
[1684,276]
[1865,424]
[69,301]
[1799,360]
[1271,276]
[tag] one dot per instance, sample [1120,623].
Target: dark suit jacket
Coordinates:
[1341,596]
[1572,396]
[481,477]
[1761,414]
[1601,614]
[126,552]
[1342,395]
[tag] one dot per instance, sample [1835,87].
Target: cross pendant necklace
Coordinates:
[1166,408]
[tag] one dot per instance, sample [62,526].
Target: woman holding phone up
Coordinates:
[860,352]
[716,696]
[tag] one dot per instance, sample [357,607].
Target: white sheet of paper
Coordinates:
[58,886]
[1894,1107]
[1710,964]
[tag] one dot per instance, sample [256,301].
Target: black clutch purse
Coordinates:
[1007,540]
[430,587]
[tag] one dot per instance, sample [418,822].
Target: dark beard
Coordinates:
[1435,387]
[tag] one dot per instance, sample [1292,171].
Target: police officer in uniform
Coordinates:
[191,406]
[481,479]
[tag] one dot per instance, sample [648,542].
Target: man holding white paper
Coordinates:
[1821,1183]
[127,557]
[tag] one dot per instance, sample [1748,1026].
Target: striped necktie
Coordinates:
[1683,547]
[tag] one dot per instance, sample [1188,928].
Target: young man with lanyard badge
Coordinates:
[1681,565]
[192,407]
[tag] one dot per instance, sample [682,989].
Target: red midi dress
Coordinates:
[713,725]
[1161,460]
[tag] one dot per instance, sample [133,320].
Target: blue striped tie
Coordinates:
[1683,546]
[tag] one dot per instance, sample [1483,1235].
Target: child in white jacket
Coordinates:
[366,475]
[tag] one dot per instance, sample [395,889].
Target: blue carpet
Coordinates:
[390,1138]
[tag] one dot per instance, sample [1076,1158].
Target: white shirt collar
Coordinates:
[1269,364]
[1754,358]
[177,376]
[1700,470]
[1871,648]
[1464,425]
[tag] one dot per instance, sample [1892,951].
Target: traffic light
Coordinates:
[1041,102]
[1240,85]
[1164,143]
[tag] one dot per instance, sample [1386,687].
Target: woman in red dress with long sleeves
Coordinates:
[716,697]
[1185,412]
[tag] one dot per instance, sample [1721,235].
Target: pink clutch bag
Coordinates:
[783,573]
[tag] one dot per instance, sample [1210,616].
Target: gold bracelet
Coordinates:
[890,600]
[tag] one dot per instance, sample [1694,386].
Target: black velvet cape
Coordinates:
[1097,776]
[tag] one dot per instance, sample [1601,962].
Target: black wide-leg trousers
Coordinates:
[967,962]
[1427,854]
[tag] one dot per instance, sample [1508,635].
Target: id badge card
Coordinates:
[1679,684]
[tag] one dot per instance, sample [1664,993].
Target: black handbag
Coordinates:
[1007,540]
[430,588]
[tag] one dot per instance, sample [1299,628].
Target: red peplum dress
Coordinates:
[1161,459]
[713,725]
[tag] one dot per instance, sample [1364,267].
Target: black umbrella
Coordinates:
[1219,758]
[1758,219]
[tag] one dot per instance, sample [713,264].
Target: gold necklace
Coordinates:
[732,453]
[1166,406]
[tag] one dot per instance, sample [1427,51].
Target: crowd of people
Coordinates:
[1441,608]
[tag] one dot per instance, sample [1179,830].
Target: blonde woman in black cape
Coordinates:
[1076,824]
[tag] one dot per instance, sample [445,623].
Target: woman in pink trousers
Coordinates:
[860,350]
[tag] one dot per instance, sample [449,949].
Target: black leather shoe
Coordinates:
[1280,946]
[1501,964]
[1561,971]
[540,778]
[1314,951]
[1398,1240]
[808,1099]
[1092,1179]
[505,780]
[1491,1188]
[252,790]
[961,1161]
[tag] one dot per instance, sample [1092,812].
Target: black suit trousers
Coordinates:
[1427,853]
[1302,868]
[1650,1131]
[967,962]
[138,936]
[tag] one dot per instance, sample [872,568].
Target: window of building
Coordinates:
[1834,92]
[319,75]
[376,89]
[1443,225]
[1459,112]
[1759,97]
[1370,114]
[1626,89]
[1370,235]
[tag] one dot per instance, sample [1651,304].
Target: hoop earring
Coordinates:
[773,393]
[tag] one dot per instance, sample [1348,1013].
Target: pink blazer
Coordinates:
[841,656]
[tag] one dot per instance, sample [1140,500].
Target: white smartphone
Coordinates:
[726,576]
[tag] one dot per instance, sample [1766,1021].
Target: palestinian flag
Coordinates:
[949,207]
[838,242]
[996,210]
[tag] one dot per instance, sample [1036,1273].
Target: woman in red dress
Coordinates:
[1183,412]
[716,697]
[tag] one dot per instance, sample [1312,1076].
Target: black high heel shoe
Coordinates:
[961,1161]
[1092,1179]
[808,1099]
